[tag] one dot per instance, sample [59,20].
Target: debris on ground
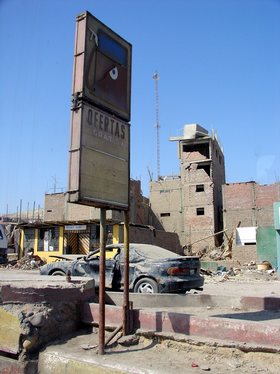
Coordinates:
[128,340]
[215,254]
[251,270]
[28,262]
[87,347]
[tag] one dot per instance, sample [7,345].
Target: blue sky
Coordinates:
[219,67]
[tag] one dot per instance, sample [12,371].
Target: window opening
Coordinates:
[199,188]
[200,211]
[206,168]
[203,149]
[165,214]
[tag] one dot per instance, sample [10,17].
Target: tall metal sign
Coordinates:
[99,155]
[99,161]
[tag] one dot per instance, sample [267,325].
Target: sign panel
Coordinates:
[102,67]
[75,228]
[99,159]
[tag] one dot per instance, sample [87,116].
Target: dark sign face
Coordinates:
[102,69]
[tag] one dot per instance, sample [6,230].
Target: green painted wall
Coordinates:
[266,245]
[276,207]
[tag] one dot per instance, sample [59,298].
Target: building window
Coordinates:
[206,168]
[164,191]
[199,188]
[220,159]
[48,239]
[165,214]
[29,239]
[200,211]
[202,149]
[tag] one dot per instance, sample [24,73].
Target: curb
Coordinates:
[235,328]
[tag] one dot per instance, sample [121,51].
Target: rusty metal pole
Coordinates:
[102,282]
[126,275]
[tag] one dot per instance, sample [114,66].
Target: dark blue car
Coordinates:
[152,269]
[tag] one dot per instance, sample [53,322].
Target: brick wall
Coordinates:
[252,205]
[57,209]
[244,254]
[147,235]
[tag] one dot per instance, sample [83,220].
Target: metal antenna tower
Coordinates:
[156,79]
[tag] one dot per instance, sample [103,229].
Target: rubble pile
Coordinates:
[215,254]
[27,262]
[250,270]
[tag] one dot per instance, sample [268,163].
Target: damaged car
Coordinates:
[152,269]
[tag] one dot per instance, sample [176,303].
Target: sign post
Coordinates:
[126,276]
[102,282]
[99,154]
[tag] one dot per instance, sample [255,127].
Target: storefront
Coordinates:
[49,241]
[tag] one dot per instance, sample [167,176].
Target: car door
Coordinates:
[134,262]
[110,269]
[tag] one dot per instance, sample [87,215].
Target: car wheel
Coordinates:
[146,285]
[58,272]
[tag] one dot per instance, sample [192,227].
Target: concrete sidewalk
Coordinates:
[253,320]
[158,354]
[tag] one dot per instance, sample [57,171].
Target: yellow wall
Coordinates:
[21,243]
[36,240]
[44,255]
[116,234]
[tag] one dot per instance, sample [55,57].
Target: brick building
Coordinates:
[247,207]
[249,203]
[191,203]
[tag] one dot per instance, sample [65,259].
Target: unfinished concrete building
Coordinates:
[190,204]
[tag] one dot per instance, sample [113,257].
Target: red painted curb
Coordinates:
[240,330]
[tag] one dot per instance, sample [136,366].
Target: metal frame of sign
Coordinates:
[102,67]
[99,161]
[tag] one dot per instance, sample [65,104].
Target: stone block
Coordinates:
[10,331]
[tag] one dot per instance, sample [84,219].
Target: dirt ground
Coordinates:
[165,356]
[247,283]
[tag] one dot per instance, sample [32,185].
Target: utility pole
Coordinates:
[20,209]
[156,79]
[54,184]
[33,213]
